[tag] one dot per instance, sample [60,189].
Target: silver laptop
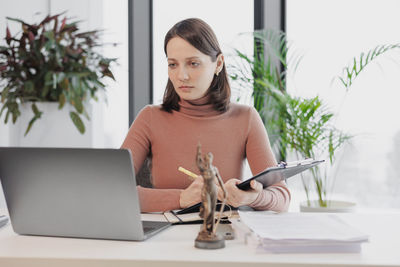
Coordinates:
[69,192]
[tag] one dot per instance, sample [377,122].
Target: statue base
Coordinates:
[214,241]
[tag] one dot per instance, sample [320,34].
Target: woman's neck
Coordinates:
[200,107]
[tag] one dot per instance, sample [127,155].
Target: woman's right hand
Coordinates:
[192,194]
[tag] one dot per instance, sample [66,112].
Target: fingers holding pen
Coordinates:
[192,194]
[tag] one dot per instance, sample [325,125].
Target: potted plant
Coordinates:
[309,132]
[297,126]
[51,61]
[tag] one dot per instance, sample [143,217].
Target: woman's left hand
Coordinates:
[237,197]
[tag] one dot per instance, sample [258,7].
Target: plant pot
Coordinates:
[333,206]
[54,129]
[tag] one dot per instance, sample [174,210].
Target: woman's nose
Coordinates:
[183,74]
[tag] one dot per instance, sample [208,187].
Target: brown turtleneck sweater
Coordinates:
[172,139]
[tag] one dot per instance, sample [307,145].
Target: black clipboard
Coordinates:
[280,172]
[268,177]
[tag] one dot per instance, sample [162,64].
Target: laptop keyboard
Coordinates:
[152,227]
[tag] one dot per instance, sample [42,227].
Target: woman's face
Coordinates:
[190,71]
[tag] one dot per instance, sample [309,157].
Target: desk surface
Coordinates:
[174,247]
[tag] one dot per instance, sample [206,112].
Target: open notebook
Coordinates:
[175,217]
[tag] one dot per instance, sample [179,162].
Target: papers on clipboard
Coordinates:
[280,172]
[300,232]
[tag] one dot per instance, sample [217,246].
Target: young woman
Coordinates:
[196,109]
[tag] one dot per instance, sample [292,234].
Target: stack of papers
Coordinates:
[302,233]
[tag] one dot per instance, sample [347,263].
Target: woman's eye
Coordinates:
[195,64]
[171,65]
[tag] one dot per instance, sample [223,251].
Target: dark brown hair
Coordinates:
[200,35]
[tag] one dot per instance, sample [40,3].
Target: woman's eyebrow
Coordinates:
[192,58]
[188,58]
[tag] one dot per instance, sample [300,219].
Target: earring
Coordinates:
[216,73]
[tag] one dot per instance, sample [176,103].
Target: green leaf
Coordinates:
[65,84]
[78,105]
[4,94]
[13,108]
[45,91]
[36,111]
[61,101]
[15,115]
[7,115]
[351,72]
[48,78]
[2,109]
[29,87]
[38,115]
[77,121]
[49,34]
[31,122]
[17,20]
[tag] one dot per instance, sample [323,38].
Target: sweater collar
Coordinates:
[200,107]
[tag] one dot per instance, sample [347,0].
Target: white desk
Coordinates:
[174,247]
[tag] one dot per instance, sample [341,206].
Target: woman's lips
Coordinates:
[186,88]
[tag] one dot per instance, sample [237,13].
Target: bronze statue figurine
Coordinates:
[207,237]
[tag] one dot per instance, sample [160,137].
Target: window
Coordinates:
[331,33]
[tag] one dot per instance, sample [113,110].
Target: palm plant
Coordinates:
[264,75]
[309,132]
[304,126]
[300,125]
